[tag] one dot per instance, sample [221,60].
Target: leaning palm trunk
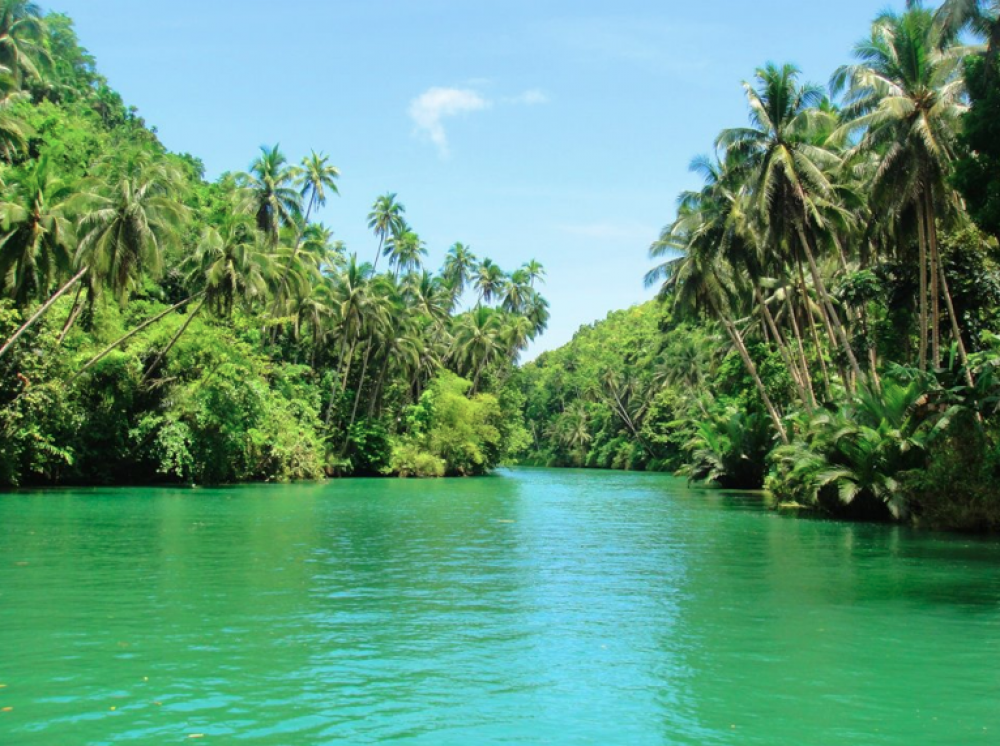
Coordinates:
[74,313]
[942,278]
[810,318]
[826,302]
[173,341]
[121,340]
[41,311]
[803,360]
[347,355]
[922,270]
[937,275]
[376,400]
[361,384]
[737,339]
[797,377]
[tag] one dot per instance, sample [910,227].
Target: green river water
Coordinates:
[531,607]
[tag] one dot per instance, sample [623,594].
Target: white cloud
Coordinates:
[429,110]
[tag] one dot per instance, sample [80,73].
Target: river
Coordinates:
[533,607]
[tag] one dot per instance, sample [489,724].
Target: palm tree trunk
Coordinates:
[378,252]
[343,383]
[173,341]
[734,335]
[121,340]
[475,381]
[793,369]
[826,301]
[922,262]
[41,311]
[377,398]
[803,361]
[935,270]
[811,319]
[956,330]
[74,313]
[361,381]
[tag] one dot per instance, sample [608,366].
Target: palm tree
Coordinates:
[458,268]
[37,236]
[13,131]
[386,219]
[404,251]
[22,39]
[427,296]
[535,272]
[128,225]
[350,300]
[231,264]
[516,291]
[314,178]
[489,281]
[905,97]
[789,174]
[536,310]
[275,201]
[477,341]
[698,281]
[981,17]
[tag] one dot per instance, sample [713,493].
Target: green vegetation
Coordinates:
[828,307]
[155,326]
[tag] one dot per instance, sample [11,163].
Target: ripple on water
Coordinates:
[533,607]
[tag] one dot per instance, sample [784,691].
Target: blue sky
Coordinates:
[559,130]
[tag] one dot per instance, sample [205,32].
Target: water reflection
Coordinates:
[538,606]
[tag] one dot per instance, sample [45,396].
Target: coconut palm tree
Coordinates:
[315,176]
[386,219]
[535,272]
[350,300]
[128,225]
[904,100]
[405,250]
[22,40]
[37,233]
[981,17]
[459,266]
[229,266]
[489,281]
[699,282]
[271,185]
[477,342]
[789,176]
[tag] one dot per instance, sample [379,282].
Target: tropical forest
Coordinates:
[449,373]
[826,326]
[161,328]
[827,321]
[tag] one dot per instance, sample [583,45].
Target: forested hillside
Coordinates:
[827,323]
[157,326]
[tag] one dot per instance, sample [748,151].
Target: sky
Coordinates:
[556,130]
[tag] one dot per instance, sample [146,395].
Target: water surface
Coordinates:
[532,607]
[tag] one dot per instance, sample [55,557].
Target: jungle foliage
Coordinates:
[828,307]
[157,326]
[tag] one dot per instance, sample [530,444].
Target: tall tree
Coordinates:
[22,40]
[790,175]
[315,177]
[905,98]
[386,219]
[37,233]
[275,201]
